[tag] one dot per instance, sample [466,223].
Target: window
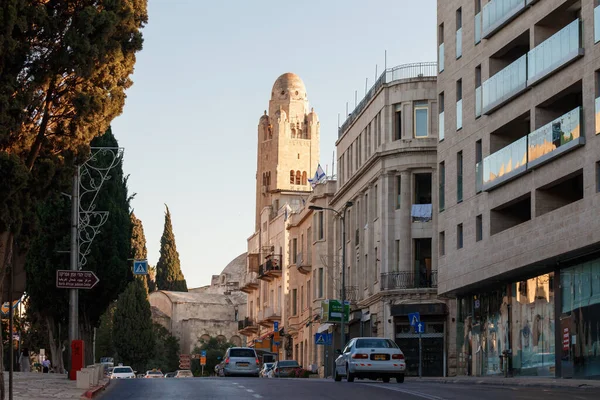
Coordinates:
[378,128]
[459,104]
[442,179]
[308,293]
[458,33]
[376,201]
[442,243]
[479,228]
[301,298]
[441,48]
[459,177]
[292,177]
[294,301]
[421,113]
[478,152]
[441,117]
[304,180]
[294,250]
[396,266]
[478,92]
[368,139]
[398,123]
[366,207]
[398,192]
[459,236]
[318,223]
[598,176]
[298,177]
[320,287]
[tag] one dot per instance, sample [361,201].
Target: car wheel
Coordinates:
[386,379]
[400,378]
[349,376]
[336,377]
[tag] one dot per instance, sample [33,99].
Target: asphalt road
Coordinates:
[302,389]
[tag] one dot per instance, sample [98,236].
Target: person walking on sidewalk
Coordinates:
[46,366]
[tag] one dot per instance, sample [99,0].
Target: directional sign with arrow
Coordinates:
[420,327]
[67,279]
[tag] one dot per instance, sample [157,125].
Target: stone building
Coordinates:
[287,156]
[519,233]
[387,172]
[209,311]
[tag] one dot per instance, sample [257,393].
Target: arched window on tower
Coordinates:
[292,177]
[293,133]
[264,179]
[269,178]
[304,178]
[265,135]
[298,177]
[270,130]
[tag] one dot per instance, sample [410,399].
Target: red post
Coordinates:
[77,358]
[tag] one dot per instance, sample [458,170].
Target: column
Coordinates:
[404,223]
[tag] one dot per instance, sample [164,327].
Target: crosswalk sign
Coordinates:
[414,318]
[320,338]
[140,267]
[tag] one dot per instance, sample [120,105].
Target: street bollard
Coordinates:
[83,379]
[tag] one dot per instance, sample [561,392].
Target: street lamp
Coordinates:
[342,216]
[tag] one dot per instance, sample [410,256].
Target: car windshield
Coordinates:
[154,373]
[288,363]
[185,373]
[379,343]
[247,353]
[122,370]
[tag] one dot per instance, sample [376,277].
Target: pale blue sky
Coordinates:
[202,82]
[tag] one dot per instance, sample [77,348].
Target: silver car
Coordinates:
[241,361]
[370,357]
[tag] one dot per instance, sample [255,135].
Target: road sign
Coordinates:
[202,360]
[203,353]
[67,279]
[420,327]
[140,267]
[276,326]
[331,311]
[321,338]
[414,318]
[185,361]
[184,365]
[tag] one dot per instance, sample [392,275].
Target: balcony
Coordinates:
[351,294]
[302,265]
[409,280]
[441,57]
[441,126]
[268,315]
[271,269]
[250,283]
[459,113]
[597,24]
[531,151]
[478,28]
[247,327]
[505,85]
[421,212]
[556,52]
[459,43]
[478,102]
[498,13]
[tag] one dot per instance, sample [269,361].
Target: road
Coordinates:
[316,389]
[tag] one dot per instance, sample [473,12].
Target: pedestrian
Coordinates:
[24,361]
[46,366]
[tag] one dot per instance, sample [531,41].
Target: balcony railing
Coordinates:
[540,146]
[554,53]
[407,71]
[459,43]
[478,28]
[421,212]
[478,102]
[597,24]
[246,323]
[441,57]
[551,138]
[250,282]
[270,268]
[441,126]
[498,13]
[506,162]
[351,294]
[459,112]
[298,261]
[505,85]
[409,280]
[597,115]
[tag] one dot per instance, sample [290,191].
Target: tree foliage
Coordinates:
[104,335]
[168,269]
[215,351]
[166,356]
[139,251]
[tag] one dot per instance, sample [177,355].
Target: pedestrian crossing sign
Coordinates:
[140,267]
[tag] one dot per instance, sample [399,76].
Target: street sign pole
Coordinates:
[420,356]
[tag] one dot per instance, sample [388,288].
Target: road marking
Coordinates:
[412,392]
[258,396]
[249,390]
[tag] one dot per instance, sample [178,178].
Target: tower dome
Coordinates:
[288,84]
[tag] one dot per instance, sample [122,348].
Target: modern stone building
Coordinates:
[518,228]
[387,169]
[205,312]
[287,156]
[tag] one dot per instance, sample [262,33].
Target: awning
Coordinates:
[324,327]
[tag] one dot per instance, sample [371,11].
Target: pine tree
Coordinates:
[168,270]
[132,325]
[104,336]
[139,251]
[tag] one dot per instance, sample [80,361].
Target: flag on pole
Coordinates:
[319,176]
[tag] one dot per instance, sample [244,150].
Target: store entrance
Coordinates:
[432,348]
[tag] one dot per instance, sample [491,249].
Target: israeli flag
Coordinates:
[319,176]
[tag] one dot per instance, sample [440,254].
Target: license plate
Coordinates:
[242,364]
[379,357]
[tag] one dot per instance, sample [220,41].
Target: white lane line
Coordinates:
[258,396]
[242,387]
[411,392]
[249,390]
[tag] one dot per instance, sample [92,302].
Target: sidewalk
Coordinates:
[533,381]
[37,386]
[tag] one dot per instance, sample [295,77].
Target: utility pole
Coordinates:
[73,293]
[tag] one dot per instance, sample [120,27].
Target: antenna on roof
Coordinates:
[385,57]
[355,98]
[375,72]
[338,120]
[366,84]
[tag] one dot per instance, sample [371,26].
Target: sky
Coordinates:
[204,78]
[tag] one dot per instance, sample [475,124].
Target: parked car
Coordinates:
[184,373]
[264,371]
[241,361]
[170,374]
[108,372]
[122,372]
[283,369]
[154,373]
[370,357]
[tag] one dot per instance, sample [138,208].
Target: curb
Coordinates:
[95,390]
[508,382]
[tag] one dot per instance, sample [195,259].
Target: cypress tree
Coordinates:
[168,270]
[104,336]
[132,325]
[139,251]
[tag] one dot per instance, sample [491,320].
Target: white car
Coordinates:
[122,372]
[152,374]
[372,358]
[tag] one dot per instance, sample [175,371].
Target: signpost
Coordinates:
[184,361]
[140,267]
[67,279]
[324,338]
[331,311]
[415,321]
